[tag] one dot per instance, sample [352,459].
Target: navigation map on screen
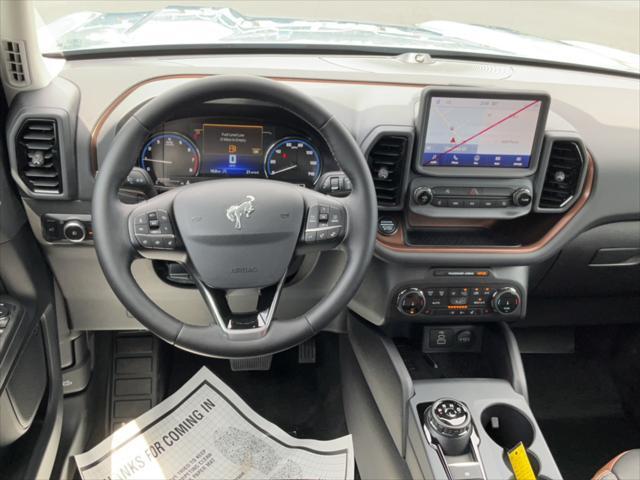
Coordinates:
[480,132]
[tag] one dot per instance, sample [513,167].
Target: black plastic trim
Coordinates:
[235,49]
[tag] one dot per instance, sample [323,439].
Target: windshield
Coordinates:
[593,34]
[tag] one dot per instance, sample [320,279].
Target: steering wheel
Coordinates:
[233,233]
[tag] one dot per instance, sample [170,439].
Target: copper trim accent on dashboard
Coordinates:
[97,128]
[396,242]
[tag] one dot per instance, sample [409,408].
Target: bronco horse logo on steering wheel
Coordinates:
[244,209]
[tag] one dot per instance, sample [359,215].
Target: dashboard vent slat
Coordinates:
[38,156]
[14,57]
[562,178]
[387,159]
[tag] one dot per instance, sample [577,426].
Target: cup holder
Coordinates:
[507,426]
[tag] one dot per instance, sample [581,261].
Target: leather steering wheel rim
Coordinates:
[111,228]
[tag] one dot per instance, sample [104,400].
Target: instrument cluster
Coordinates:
[187,150]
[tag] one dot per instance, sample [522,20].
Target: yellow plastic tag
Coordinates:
[520,463]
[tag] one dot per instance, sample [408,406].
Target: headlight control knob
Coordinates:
[506,300]
[74,231]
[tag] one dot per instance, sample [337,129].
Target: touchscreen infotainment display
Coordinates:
[480,132]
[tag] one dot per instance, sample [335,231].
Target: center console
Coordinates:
[452,413]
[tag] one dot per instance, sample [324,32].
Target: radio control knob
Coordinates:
[505,301]
[522,197]
[411,301]
[422,195]
[74,231]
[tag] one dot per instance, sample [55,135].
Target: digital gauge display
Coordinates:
[232,150]
[198,149]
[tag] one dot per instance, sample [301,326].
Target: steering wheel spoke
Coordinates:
[247,324]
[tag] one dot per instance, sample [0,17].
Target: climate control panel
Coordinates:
[459,301]
[471,198]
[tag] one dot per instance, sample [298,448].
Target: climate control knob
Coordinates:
[411,301]
[522,197]
[74,231]
[422,195]
[505,301]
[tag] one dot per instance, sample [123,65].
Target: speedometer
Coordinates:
[293,160]
[170,159]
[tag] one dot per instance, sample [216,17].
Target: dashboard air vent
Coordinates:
[387,158]
[563,175]
[16,64]
[38,156]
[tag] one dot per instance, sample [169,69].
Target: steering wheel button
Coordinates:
[144,240]
[335,216]
[152,216]
[141,220]
[323,217]
[310,237]
[322,235]
[153,224]
[168,241]
[334,233]
[312,217]
[142,229]
[163,216]
[156,242]
[165,228]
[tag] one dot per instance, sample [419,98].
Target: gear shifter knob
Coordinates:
[449,423]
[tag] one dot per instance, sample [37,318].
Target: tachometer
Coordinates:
[293,160]
[170,159]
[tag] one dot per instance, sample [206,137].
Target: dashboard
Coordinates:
[523,168]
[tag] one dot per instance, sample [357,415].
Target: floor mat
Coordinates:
[305,400]
[205,430]
[579,410]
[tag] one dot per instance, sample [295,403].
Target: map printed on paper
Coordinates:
[205,430]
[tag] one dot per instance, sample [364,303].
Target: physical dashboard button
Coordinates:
[464,338]
[387,226]
[434,301]
[440,337]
